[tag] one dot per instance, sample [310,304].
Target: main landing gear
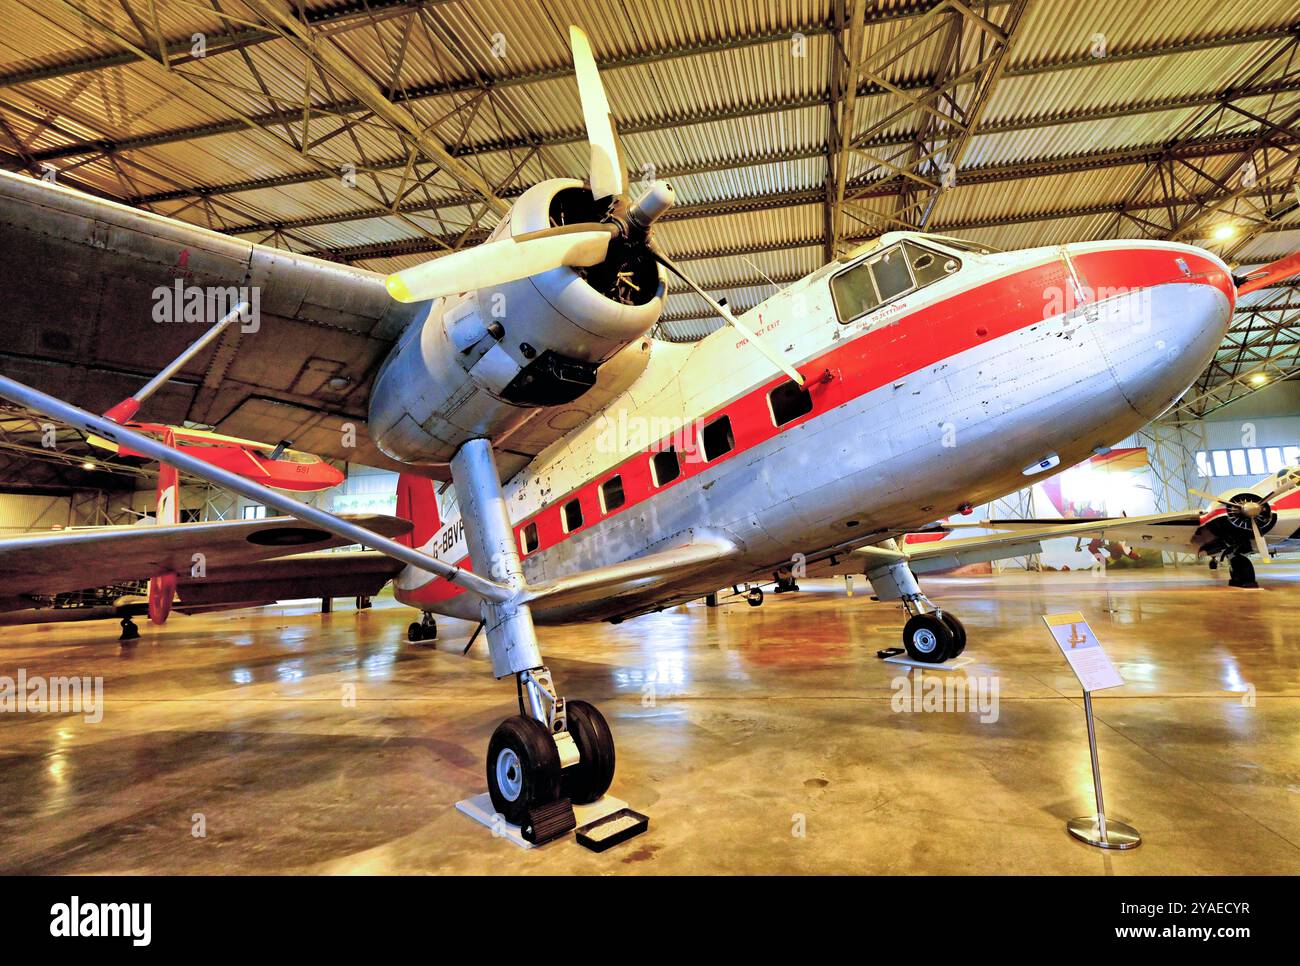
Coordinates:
[426,629]
[538,768]
[553,753]
[1241,572]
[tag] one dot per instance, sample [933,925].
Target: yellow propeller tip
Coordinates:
[397,288]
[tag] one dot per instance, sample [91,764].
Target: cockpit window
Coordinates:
[892,275]
[897,270]
[928,265]
[854,292]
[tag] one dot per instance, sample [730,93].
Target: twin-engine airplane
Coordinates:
[598,473]
[1263,519]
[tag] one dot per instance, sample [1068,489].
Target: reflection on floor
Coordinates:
[758,740]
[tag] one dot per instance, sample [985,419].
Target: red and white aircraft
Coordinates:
[249,568]
[1263,519]
[599,473]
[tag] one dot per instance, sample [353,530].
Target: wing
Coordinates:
[40,565]
[344,573]
[79,321]
[1017,538]
[620,589]
[1160,531]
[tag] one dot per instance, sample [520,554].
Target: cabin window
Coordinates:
[717,439]
[572,514]
[528,538]
[665,467]
[929,266]
[789,401]
[611,493]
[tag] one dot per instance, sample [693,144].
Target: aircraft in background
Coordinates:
[249,567]
[599,474]
[1263,519]
[275,465]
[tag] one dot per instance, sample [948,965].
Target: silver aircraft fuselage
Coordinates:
[940,399]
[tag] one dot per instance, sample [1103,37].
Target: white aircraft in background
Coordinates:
[599,474]
[1263,519]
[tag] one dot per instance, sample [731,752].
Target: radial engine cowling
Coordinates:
[475,364]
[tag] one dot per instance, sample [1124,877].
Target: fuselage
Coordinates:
[916,405]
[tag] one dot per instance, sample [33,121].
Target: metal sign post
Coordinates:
[1095,672]
[1096,829]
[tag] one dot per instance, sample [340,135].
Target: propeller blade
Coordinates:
[502,261]
[730,319]
[1266,275]
[1206,496]
[1261,546]
[608,176]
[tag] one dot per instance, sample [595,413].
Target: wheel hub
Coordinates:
[924,640]
[510,774]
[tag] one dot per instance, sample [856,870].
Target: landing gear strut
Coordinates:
[426,629]
[554,752]
[1241,572]
[932,635]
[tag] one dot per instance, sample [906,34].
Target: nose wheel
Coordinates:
[928,639]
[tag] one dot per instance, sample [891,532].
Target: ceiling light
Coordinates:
[1224,232]
[87,465]
[1258,379]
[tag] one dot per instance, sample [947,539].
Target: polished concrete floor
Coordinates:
[758,740]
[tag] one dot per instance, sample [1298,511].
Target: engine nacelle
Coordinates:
[477,364]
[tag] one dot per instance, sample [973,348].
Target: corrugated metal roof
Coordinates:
[731,101]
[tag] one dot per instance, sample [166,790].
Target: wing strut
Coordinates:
[91,424]
[129,406]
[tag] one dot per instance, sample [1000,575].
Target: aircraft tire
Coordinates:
[927,639]
[958,634]
[590,778]
[523,768]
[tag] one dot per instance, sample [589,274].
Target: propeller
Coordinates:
[622,235]
[1246,513]
[608,175]
[507,260]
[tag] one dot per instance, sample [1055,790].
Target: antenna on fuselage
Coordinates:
[760,272]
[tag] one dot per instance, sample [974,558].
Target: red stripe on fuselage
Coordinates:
[868,361]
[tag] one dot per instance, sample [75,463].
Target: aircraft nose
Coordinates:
[1163,318]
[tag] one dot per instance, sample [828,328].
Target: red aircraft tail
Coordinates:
[417,502]
[162,588]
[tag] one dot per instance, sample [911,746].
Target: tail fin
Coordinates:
[417,502]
